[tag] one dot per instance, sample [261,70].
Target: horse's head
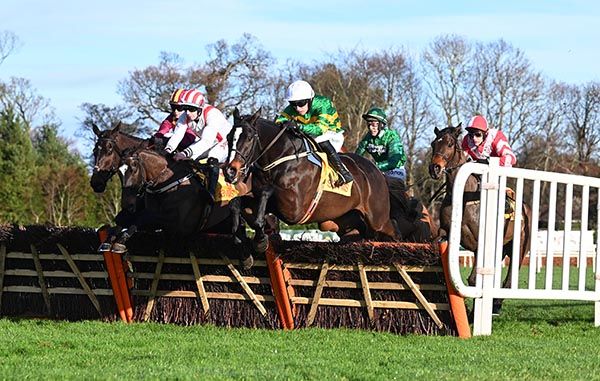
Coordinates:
[143,169]
[446,152]
[107,157]
[244,146]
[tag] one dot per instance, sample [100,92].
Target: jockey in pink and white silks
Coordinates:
[210,127]
[482,142]
[208,123]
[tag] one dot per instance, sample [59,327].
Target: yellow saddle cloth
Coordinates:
[329,176]
[224,191]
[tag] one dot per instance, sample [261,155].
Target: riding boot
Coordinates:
[336,163]
[212,177]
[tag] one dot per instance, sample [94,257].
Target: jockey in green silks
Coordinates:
[316,116]
[383,144]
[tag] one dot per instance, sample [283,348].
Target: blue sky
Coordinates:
[77,51]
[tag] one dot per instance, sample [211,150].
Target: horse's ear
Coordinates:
[255,116]
[236,113]
[96,130]
[117,127]
[437,131]
[458,129]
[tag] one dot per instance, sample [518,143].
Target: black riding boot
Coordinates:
[336,163]
[212,177]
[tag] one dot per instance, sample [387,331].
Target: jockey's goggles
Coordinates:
[190,108]
[300,103]
[478,134]
[177,108]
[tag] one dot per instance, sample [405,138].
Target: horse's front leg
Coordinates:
[238,231]
[261,240]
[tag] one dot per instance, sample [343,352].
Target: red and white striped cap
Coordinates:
[192,98]
[478,122]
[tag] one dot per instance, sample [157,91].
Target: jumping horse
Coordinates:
[447,157]
[286,182]
[113,149]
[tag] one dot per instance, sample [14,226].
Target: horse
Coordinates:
[287,182]
[111,151]
[447,157]
[176,200]
[108,152]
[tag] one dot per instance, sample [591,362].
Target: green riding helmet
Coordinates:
[376,113]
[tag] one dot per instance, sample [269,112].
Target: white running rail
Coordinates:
[564,194]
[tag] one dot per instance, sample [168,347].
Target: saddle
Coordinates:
[224,191]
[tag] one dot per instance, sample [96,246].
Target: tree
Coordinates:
[19,96]
[583,118]
[9,42]
[233,75]
[16,163]
[501,85]
[106,117]
[445,71]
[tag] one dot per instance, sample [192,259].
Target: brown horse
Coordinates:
[111,151]
[447,157]
[108,151]
[288,182]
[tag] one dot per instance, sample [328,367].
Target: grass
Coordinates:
[539,340]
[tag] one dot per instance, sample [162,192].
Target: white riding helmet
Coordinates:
[299,90]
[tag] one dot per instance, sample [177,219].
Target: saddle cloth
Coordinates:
[329,176]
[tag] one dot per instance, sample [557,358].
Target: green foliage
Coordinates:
[16,168]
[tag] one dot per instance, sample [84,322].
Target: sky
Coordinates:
[76,52]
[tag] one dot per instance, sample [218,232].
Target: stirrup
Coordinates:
[343,180]
[105,246]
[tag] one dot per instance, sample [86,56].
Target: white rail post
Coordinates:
[482,313]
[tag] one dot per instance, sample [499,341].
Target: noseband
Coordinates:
[448,158]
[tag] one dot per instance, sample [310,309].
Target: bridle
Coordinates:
[120,153]
[448,158]
[247,164]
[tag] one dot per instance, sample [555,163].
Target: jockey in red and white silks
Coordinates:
[208,123]
[482,142]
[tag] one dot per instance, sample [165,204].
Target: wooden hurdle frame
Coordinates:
[280,280]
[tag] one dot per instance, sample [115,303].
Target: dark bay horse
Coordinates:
[109,149]
[447,157]
[286,182]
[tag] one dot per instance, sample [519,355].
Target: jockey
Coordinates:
[210,127]
[383,144]
[167,126]
[482,142]
[317,117]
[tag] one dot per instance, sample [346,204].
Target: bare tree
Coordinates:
[235,74]
[544,143]
[445,71]
[33,109]
[9,42]
[106,117]
[583,118]
[502,85]
[147,91]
